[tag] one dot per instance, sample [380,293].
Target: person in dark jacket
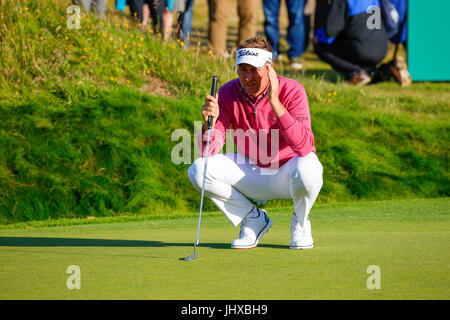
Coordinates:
[345,38]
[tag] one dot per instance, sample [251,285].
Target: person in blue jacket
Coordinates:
[346,40]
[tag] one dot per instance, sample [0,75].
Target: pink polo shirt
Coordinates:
[258,134]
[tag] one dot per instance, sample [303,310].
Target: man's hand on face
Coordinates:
[273,81]
[272,92]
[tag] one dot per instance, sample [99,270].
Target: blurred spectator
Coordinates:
[99,6]
[295,32]
[153,9]
[218,23]
[402,8]
[400,68]
[345,41]
[167,19]
[307,12]
[121,4]
[185,22]
[136,8]
[160,12]
[397,68]
[321,14]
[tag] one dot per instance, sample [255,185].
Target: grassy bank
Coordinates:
[88,114]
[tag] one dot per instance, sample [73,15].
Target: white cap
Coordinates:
[253,56]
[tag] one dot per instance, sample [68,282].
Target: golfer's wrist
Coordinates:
[277,107]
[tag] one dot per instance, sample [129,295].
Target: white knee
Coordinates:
[195,172]
[308,172]
[214,170]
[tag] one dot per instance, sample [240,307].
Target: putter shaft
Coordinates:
[203,187]
[210,121]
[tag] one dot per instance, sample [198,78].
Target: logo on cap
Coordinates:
[247,53]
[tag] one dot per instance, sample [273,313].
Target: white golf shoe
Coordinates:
[301,238]
[252,229]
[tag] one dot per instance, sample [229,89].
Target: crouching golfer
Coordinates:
[270,120]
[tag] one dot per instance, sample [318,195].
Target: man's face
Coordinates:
[253,80]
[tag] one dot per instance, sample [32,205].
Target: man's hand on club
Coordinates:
[272,92]
[211,108]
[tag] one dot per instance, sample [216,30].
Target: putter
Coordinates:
[210,120]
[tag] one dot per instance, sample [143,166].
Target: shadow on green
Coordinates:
[85,242]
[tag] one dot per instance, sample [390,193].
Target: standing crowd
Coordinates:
[347,34]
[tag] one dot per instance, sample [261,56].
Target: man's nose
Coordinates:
[248,75]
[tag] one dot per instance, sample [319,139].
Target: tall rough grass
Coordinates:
[80,135]
[41,55]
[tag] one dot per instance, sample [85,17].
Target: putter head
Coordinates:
[192,256]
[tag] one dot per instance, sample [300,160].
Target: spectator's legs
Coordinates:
[186,22]
[307,20]
[156,11]
[100,7]
[271,24]
[307,12]
[330,54]
[145,15]
[167,22]
[296,30]
[136,8]
[87,5]
[247,19]
[218,25]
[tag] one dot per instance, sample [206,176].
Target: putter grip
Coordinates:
[215,79]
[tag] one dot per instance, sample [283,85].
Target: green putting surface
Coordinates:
[408,240]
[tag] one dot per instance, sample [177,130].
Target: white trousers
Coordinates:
[232,178]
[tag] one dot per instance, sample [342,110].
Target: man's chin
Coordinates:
[251,90]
